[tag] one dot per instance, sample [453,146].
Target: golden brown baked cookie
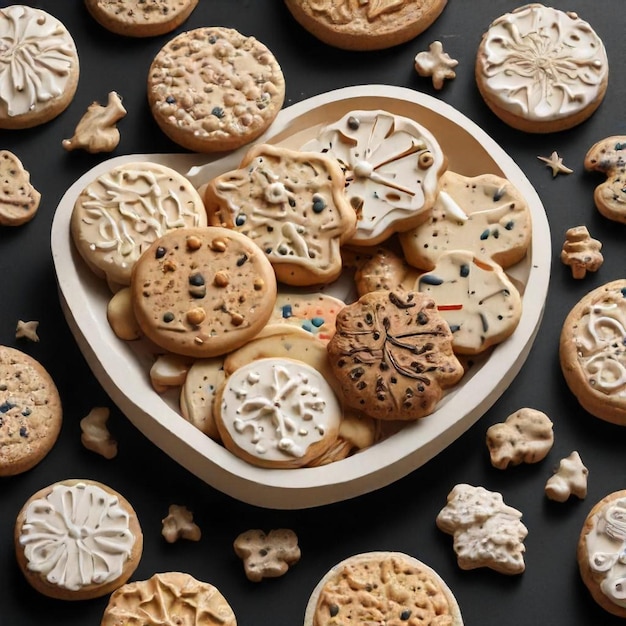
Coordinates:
[143,18]
[168,599]
[365,25]
[382,588]
[30,412]
[541,70]
[39,67]
[292,205]
[77,539]
[600,552]
[213,89]
[392,355]
[593,352]
[19,200]
[202,292]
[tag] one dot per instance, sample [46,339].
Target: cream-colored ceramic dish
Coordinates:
[122,367]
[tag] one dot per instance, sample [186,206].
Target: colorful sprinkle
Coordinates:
[431,279]
[6,406]
[484,235]
[218,112]
[464,270]
[509,225]
[240,220]
[317,321]
[319,204]
[287,311]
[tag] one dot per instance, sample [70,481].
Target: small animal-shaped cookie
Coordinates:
[392,167]
[179,524]
[484,214]
[436,63]
[392,354]
[526,436]
[608,156]
[292,205]
[267,555]
[570,479]
[581,252]
[19,200]
[487,532]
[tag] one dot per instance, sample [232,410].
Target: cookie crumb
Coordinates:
[179,524]
[27,330]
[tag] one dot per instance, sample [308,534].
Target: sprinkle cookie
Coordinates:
[213,89]
[19,200]
[39,67]
[202,292]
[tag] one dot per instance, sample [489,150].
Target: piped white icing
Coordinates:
[37,55]
[542,63]
[77,535]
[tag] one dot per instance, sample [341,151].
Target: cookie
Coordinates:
[600,552]
[147,18]
[592,352]
[278,413]
[39,67]
[179,524]
[202,292]
[171,595]
[95,435]
[30,412]
[292,205]
[365,25]
[77,539]
[384,271]
[485,214]
[392,355]
[19,200]
[608,156]
[213,89]
[581,252]
[382,588]
[569,479]
[119,214]
[477,299]
[541,70]
[392,167]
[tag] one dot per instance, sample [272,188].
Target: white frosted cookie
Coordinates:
[77,539]
[392,166]
[277,413]
[143,18]
[485,214]
[541,70]
[19,200]
[477,299]
[593,352]
[382,588]
[292,205]
[122,212]
[39,67]
[213,89]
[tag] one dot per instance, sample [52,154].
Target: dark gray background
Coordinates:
[401,516]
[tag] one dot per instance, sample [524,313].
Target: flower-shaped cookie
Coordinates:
[267,555]
[436,63]
[525,436]
[292,205]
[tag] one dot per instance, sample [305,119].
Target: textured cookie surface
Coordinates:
[541,69]
[77,539]
[593,351]
[365,25]
[213,89]
[30,412]
[123,211]
[19,200]
[39,67]
[202,292]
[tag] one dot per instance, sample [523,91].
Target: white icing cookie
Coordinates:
[541,70]
[277,413]
[476,298]
[392,167]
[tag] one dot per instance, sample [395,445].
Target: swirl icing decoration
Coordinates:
[543,63]
[77,535]
[37,55]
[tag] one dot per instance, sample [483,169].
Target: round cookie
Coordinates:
[277,413]
[541,70]
[600,552]
[213,89]
[30,412]
[202,292]
[19,200]
[123,211]
[365,25]
[39,67]
[392,355]
[175,597]
[592,352]
[382,588]
[147,18]
[77,539]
